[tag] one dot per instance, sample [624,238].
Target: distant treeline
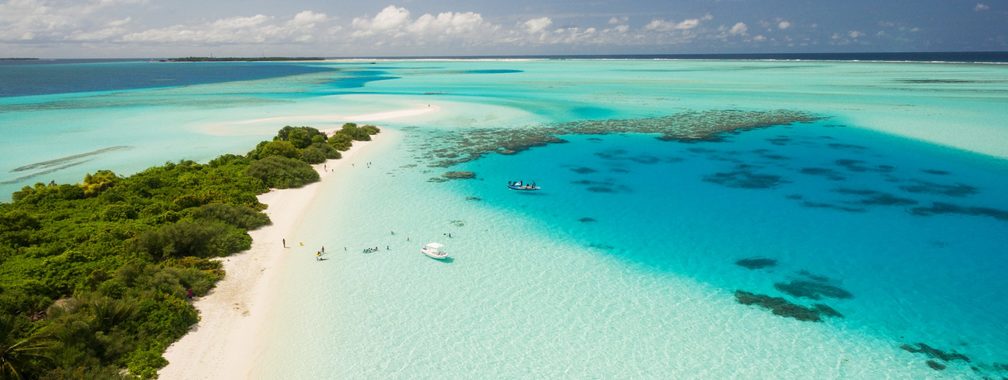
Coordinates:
[96,278]
[241,59]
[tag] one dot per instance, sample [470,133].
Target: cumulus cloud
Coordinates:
[783,24]
[980,7]
[50,20]
[738,29]
[855,34]
[759,38]
[659,24]
[391,17]
[537,25]
[396,22]
[236,30]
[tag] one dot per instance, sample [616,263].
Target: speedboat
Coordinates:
[522,187]
[433,250]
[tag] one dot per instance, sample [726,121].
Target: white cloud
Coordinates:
[51,20]
[739,28]
[759,38]
[855,34]
[618,20]
[449,23]
[537,25]
[784,24]
[980,7]
[236,30]
[390,18]
[662,25]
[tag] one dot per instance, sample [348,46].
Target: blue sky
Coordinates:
[153,28]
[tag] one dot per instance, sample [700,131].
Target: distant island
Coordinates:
[241,59]
[18,59]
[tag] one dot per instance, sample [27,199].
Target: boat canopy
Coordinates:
[434,246]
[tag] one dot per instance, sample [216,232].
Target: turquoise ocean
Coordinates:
[891,210]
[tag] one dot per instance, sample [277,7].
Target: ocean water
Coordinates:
[891,210]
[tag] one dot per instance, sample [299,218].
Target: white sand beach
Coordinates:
[221,345]
[240,127]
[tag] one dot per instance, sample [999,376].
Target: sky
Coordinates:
[339,28]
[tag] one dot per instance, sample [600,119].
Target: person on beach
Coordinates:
[323,249]
[318,256]
[284,241]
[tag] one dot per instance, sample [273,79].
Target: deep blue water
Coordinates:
[914,232]
[25,78]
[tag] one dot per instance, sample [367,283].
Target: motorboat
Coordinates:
[519,186]
[434,251]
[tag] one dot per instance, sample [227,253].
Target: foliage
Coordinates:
[358,133]
[282,172]
[94,276]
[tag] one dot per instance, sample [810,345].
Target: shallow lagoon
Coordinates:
[626,262]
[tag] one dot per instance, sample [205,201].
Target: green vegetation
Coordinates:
[95,277]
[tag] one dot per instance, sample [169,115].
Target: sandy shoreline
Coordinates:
[222,343]
[240,127]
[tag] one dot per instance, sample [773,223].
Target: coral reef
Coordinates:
[756,263]
[785,308]
[468,145]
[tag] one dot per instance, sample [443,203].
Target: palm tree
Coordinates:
[17,355]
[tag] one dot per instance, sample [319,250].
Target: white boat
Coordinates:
[433,250]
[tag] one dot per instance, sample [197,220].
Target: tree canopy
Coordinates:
[95,277]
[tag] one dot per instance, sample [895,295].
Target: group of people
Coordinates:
[375,249]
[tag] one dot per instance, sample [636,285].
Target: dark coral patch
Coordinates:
[756,263]
[934,353]
[602,246]
[852,165]
[876,198]
[459,175]
[938,208]
[814,277]
[611,153]
[587,220]
[827,311]
[831,206]
[846,146]
[600,189]
[957,190]
[779,140]
[606,186]
[830,174]
[812,290]
[583,170]
[780,306]
[935,172]
[935,365]
[743,178]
